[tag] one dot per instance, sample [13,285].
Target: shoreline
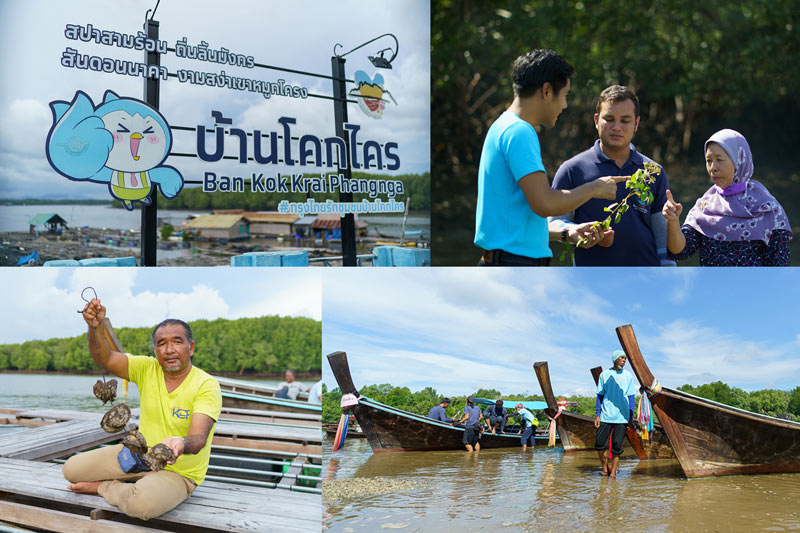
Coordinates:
[85,243]
[276,376]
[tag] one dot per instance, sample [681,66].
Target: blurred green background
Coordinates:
[696,67]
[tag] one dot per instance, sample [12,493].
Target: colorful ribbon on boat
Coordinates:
[551,429]
[341,431]
[645,417]
[654,389]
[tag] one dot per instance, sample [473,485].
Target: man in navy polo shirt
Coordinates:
[640,238]
[514,194]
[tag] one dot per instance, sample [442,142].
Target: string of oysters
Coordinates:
[118,416]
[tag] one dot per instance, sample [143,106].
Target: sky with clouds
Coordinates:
[41,303]
[298,35]
[460,329]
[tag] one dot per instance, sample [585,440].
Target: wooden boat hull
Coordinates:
[388,429]
[711,439]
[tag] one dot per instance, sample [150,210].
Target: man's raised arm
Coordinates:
[114,362]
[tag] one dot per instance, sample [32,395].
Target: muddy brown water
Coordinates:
[542,490]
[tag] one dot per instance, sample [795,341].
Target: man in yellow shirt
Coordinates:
[180,405]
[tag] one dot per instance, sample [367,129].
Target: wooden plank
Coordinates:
[315,424]
[13,421]
[262,444]
[50,520]
[294,470]
[216,506]
[56,440]
[268,431]
[63,414]
[280,414]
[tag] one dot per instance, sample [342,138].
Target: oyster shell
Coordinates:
[116,418]
[135,442]
[158,457]
[105,391]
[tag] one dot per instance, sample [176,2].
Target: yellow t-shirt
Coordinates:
[165,414]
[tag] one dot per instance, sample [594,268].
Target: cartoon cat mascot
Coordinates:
[122,142]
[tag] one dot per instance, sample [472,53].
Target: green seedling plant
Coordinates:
[638,185]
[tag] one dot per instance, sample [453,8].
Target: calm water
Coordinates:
[61,391]
[57,391]
[547,490]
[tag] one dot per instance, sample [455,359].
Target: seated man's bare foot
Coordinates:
[84,487]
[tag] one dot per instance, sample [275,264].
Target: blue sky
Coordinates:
[41,303]
[460,329]
[298,35]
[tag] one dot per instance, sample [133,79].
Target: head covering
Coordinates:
[616,355]
[445,400]
[520,406]
[743,211]
[471,399]
[499,403]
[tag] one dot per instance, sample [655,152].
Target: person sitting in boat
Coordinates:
[180,406]
[495,415]
[737,222]
[472,425]
[528,424]
[616,401]
[438,412]
[290,388]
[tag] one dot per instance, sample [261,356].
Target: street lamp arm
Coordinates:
[394,54]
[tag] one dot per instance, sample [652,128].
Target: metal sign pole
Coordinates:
[150,212]
[340,116]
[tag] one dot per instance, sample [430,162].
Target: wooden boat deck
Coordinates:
[35,494]
[273,417]
[294,439]
[255,401]
[247,387]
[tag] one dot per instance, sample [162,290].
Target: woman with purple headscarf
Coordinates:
[737,222]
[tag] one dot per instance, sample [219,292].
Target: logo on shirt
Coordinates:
[183,414]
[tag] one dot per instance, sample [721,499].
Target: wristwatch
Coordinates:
[564,234]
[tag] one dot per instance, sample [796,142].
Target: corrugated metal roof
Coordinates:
[215,221]
[41,218]
[333,220]
[287,218]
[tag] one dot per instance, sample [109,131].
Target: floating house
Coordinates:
[51,221]
[272,223]
[269,223]
[229,227]
[332,223]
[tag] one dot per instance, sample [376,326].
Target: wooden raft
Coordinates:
[56,440]
[36,494]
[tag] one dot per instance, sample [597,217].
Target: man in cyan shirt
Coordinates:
[514,194]
[640,237]
[616,401]
[179,407]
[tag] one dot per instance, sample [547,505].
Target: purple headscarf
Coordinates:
[743,211]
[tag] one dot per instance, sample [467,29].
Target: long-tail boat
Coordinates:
[710,438]
[577,431]
[389,429]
